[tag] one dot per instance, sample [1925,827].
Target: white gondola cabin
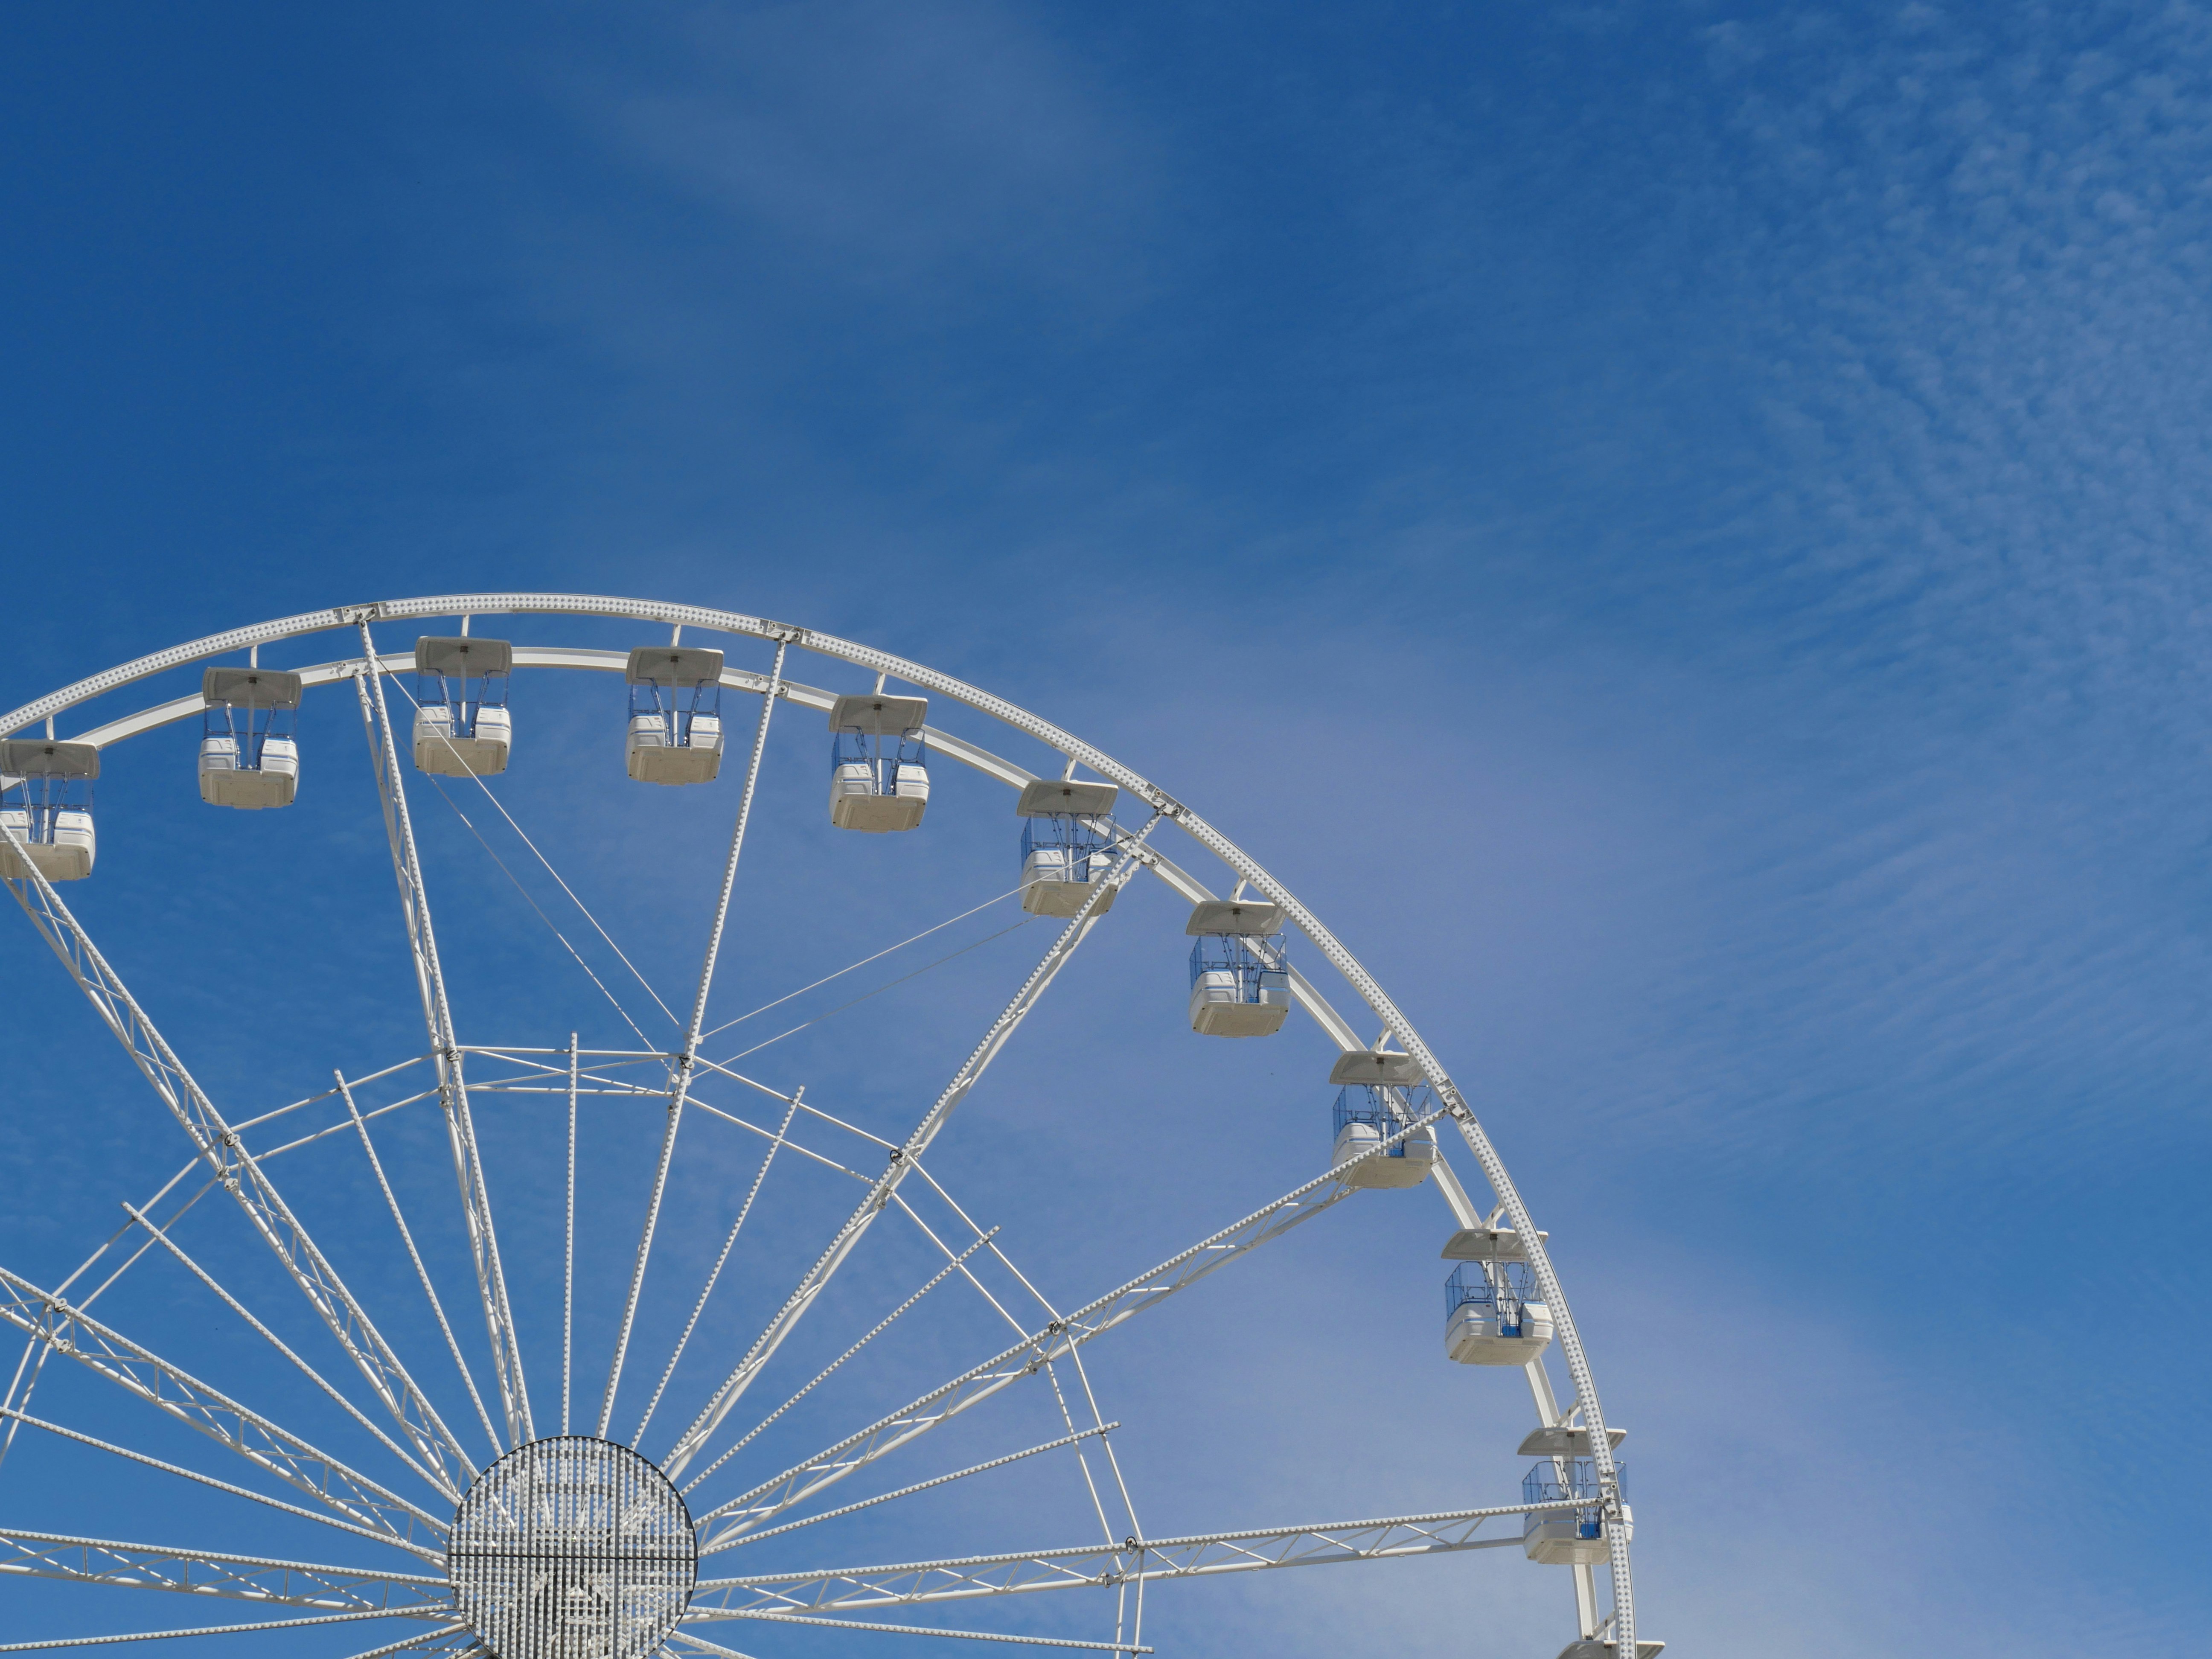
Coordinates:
[462,726]
[249,740]
[675,714]
[879,764]
[1491,1315]
[1067,845]
[1240,979]
[46,809]
[1366,1117]
[1568,1538]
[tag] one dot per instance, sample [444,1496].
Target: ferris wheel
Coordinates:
[338,1429]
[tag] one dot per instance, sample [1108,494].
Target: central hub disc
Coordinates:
[572,1548]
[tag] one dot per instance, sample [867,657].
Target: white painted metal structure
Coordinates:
[575,1543]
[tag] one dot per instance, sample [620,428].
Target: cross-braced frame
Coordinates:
[445,1472]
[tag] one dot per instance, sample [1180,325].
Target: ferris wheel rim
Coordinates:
[363,617]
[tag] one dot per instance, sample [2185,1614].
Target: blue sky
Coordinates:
[1678,529]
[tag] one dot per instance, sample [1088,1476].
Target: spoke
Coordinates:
[225,1155]
[683,1641]
[804,1152]
[16,1417]
[569,1252]
[818,1277]
[821,1376]
[1051,1371]
[940,1481]
[680,1085]
[421,1273]
[372,1076]
[76,1336]
[324,1133]
[204,1629]
[209,1573]
[715,1273]
[438,1017]
[926,1630]
[753,1510]
[436,1642]
[32,1365]
[278,1343]
[1090,1566]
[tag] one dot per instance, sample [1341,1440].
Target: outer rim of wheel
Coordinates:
[1623,1632]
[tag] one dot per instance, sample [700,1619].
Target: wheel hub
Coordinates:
[571,1547]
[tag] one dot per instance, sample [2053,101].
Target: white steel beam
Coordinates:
[224,1152]
[1076,1438]
[16,1416]
[824,1374]
[1134,1560]
[77,1336]
[714,1273]
[751,1511]
[212,1572]
[680,1085]
[437,1014]
[569,1252]
[422,1273]
[254,1324]
[433,1645]
[818,1277]
[204,1629]
[921,676]
[704,1646]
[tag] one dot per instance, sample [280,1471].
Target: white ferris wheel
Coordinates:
[353,1438]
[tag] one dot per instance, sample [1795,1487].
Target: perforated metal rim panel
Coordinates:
[572,1547]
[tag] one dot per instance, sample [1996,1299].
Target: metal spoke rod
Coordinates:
[221,1148]
[1090,1566]
[680,1086]
[32,1365]
[278,1343]
[818,1277]
[714,1274]
[204,1629]
[438,1017]
[15,1416]
[422,1273]
[755,1508]
[467,1646]
[76,1336]
[212,1572]
[939,1480]
[929,1629]
[822,1376]
[569,1253]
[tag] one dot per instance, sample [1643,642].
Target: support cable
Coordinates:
[685,1064]
[501,809]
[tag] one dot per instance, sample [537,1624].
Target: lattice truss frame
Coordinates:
[287,1473]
